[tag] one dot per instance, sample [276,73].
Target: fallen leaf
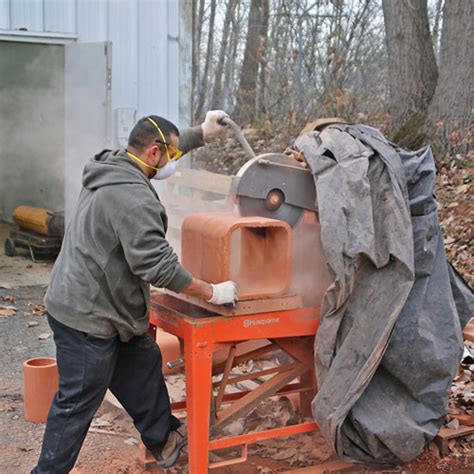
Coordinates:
[31,324]
[109,417]
[39,309]
[6,312]
[462,189]
[6,406]
[9,298]
[99,423]
[44,336]
[236,427]
[284,454]
[131,442]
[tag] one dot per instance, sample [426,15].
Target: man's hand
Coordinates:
[223,293]
[211,126]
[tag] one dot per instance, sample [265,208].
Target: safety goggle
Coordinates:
[172,153]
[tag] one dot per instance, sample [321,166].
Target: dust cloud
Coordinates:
[310,274]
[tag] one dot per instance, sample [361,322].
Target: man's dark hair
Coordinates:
[144,133]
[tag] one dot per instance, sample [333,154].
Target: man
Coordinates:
[98,297]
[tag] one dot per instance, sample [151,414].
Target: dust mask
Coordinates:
[161,173]
[168,170]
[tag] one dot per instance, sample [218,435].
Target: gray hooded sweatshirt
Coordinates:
[114,247]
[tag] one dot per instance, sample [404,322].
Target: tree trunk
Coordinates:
[197,34]
[411,67]
[217,92]
[451,109]
[262,56]
[246,98]
[230,64]
[205,75]
[436,23]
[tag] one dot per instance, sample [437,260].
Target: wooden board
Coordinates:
[282,303]
[465,420]
[445,434]
[468,332]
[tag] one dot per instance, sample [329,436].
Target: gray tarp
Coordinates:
[390,341]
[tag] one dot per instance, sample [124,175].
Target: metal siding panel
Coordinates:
[60,16]
[91,20]
[173,61]
[153,58]
[27,14]
[86,112]
[185,61]
[173,18]
[5,14]
[123,35]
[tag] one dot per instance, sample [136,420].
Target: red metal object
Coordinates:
[292,331]
[255,252]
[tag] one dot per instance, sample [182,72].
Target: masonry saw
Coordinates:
[272,185]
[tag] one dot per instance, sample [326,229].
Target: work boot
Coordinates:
[169,453]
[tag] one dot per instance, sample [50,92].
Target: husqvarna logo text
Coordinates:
[259,322]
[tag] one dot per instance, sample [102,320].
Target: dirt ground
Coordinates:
[111,444]
[17,270]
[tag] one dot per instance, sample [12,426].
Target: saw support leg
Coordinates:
[198,366]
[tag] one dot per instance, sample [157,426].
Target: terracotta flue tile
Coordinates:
[255,252]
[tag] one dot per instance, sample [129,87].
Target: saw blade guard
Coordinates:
[276,186]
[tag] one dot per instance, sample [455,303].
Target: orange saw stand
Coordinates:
[207,405]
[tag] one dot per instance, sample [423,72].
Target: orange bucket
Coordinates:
[40,384]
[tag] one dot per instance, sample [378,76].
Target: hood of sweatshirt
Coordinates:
[109,168]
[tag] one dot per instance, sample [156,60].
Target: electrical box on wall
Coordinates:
[124,121]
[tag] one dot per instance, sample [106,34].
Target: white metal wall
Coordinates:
[151,47]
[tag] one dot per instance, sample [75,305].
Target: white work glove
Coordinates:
[223,293]
[211,126]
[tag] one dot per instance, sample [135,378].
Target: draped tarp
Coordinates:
[390,341]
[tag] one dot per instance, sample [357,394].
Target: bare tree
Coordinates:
[197,34]
[217,91]
[209,52]
[247,94]
[412,70]
[262,56]
[290,61]
[451,109]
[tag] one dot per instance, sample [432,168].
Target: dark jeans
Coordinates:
[89,365]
